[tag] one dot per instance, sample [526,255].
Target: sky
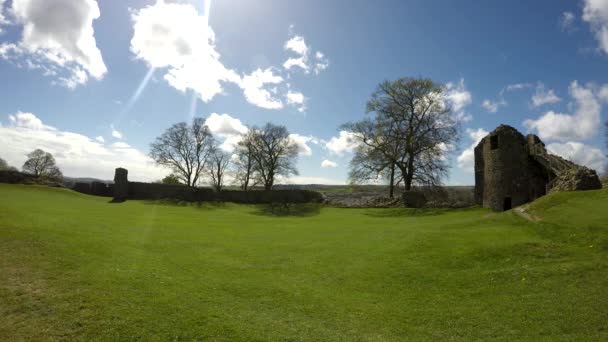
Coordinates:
[96,81]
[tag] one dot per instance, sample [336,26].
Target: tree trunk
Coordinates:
[392,182]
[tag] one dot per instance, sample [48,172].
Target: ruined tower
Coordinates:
[511,170]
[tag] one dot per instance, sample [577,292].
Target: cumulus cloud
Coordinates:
[100,139]
[303,59]
[28,120]
[542,96]
[296,99]
[595,13]
[345,142]
[328,163]
[466,160]
[458,98]
[582,124]
[176,37]
[253,86]
[77,155]
[580,153]
[58,38]
[302,142]
[227,128]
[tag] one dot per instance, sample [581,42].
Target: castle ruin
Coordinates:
[511,170]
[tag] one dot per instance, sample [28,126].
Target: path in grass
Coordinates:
[75,266]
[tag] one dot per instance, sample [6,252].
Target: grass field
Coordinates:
[74,266]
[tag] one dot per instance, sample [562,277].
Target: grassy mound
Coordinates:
[74,266]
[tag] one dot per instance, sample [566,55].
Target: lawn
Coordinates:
[74,266]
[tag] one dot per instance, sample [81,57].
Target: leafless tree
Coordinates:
[244,162]
[274,153]
[217,167]
[411,130]
[42,164]
[185,149]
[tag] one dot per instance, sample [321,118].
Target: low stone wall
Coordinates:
[274,196]
[95,188]
[153,191]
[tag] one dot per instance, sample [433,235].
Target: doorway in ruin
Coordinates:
[506,204]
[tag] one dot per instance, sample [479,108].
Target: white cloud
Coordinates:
[77,155]
[583,124]
[302,142]
[566,21]
[116,134]
[493,106]
[255,93]
[58,38]
[303,59]
[176,37]
[458,98]
[3,19]
[310,180]
[466,160]
[321,62]
[28,120]
[328,163]
[595,13]
[100,139]
[580,153]
[542,96]
[296,99]
[345,142]
[227,128]
[297,44]
[225,124]
[516,86]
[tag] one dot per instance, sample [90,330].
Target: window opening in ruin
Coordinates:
[507,204]
[494,142]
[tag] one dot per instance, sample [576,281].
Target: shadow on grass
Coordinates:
[406,212]
[288,209]
[181,203]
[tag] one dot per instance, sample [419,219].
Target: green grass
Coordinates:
[76,267]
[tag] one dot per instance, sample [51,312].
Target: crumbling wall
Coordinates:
[580,178]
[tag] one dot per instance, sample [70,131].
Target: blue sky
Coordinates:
[70,70]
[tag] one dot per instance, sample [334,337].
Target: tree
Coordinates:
[244,163]
[42,164]
[273,152]
[185,149]
[410,132]
[3,164]
[218,164]
[171,179]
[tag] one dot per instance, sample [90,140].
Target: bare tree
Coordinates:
[274,153]
[3,164]
[218,164]
[411,131]
[185,149]
[42,164]
[244,163]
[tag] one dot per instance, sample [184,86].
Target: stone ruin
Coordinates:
[511,170]
[121,184]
